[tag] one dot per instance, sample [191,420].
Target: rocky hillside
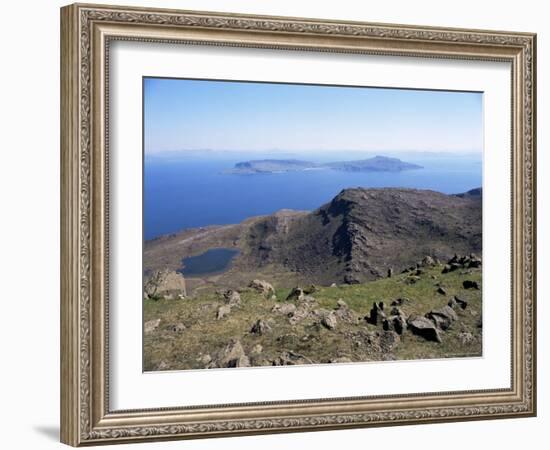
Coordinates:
[362,234]
[430,311]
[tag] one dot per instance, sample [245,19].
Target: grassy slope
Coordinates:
[206,335]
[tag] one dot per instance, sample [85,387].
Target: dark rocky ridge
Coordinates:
[356,237]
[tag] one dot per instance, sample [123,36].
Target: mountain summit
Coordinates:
[358,236]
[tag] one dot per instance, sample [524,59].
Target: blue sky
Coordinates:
[218,115]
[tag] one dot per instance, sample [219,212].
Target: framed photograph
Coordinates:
[276,224]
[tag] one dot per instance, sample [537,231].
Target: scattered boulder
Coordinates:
[457,302]
[223,311]
[284,308]
[462,262]
[441,291]
[377,314]
[442,317]
[233,355]
[232,298]
[427,261]
[263,287]
[421,326]
[260,327]
[329,321]
[163,365]
[400,301]
[466,338]
[388,341]
[299,314]
[296,294]
[257,349]
[395,323]
[343,312]
[469,284]
[176,328]
[165,284]
[333,285]
[205,359]
[150,326]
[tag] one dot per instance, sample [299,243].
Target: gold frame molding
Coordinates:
[86,31]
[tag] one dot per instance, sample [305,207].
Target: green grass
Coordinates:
[206,335]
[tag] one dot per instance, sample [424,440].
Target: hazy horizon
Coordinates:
[191,116]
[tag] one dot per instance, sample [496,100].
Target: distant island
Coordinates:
[375,164]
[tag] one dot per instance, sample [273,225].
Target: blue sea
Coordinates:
[187,192]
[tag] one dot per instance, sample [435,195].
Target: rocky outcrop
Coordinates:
[425,328]
[442,317]
[231,297]
[232,355]
[263,287]
[287,309]
[223,311]
[165,284]
[260,327]
[150,326]
[377,314]
[469,284]
[462,262]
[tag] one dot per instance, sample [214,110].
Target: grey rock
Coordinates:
[400,301]
[427,261]
[163,283]
[396,323]
[223,311]
[377,314]
[296,294]
[163,365]
[388,341]
[176,328]
[150,326]
[466,338]
[232,298]
[455,302]
[421,326]
[205,359]
[299,314]
[233,355]
[442,317]
[284,308]
[469,284]
[343,312]
[329,321]
[263,287]
[260,327]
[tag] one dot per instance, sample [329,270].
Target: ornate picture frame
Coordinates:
[86,34]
